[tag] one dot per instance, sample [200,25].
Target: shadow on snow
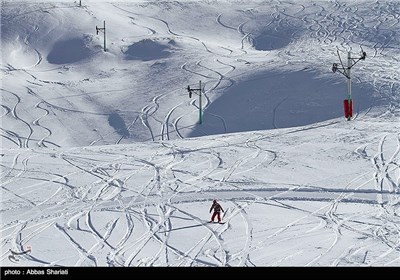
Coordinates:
[68,51]
[148,50]
[281,100]
[117,122]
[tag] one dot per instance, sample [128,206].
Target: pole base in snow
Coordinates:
[348,108]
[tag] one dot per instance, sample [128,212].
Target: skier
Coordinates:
[217,210]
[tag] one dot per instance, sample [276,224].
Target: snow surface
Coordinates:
[104,162]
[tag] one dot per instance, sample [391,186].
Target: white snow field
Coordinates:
[104,161]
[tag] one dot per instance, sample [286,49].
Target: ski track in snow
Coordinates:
[329,28]
[147,197]
[166,171]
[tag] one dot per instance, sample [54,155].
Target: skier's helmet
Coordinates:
[214,201]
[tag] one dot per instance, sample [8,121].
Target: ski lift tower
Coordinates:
[345,71]
[103,29]
[200,90]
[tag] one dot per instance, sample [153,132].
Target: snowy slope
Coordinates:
[104,163]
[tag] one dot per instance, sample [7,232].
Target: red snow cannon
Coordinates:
[348,108]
